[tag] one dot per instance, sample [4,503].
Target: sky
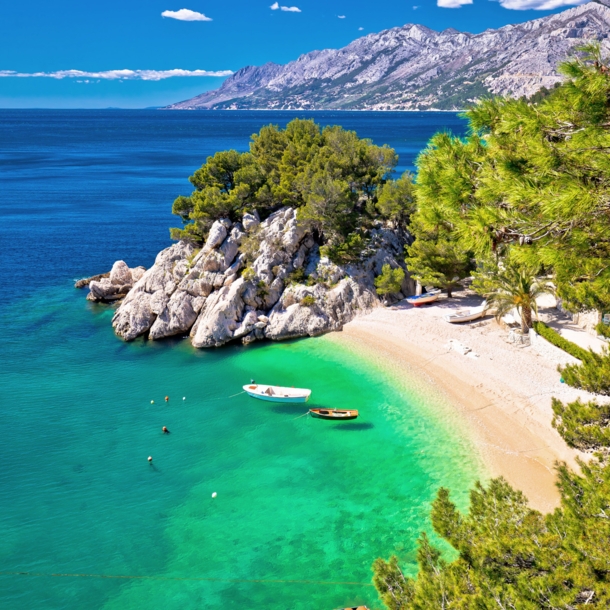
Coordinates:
[149,53]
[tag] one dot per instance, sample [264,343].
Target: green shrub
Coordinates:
[552,336]
[263,290]
[593,375]
[296,277]
[603,330]
[583,425]
[308,301]
[390,280]
[248,274]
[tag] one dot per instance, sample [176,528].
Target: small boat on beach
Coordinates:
[474,313]
[336,414]
[422,299]
[274,393]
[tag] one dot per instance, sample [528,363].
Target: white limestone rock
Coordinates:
[251,221]
[119,282]
[220,316]
[150,294]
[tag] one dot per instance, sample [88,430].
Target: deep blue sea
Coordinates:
[303,506]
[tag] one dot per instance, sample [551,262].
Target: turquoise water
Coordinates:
[298,499]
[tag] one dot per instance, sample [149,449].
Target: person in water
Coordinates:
[165,430]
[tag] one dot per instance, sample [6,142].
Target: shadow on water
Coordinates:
[295,410]
[349,427]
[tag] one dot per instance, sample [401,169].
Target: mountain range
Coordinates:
[415,68]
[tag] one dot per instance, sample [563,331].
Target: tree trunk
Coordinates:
[526,319]
[449,292]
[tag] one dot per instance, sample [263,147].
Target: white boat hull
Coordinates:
[422,299]
[277,393]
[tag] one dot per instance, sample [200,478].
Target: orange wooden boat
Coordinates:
[336,414]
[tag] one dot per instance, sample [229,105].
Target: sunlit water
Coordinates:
[298,499]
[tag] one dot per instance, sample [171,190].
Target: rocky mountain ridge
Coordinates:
[251,280]
[416,68]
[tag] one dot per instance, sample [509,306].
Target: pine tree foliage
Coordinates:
[593,374]
[585,426]
[390,281]
[511,556]
[334,178]
[533,179]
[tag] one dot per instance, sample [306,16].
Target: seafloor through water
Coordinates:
[298,499]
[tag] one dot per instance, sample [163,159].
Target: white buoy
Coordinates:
[214,495]
[152,402]
[150,458]
[184,398]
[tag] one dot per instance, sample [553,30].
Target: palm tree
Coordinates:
[516,288]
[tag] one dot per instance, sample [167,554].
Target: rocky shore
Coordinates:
[250,281]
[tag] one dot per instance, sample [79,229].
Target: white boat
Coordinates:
[474,313]
[274,393]
[422,299]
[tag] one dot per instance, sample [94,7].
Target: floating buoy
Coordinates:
[150,458]
[167,399]
[165,430]
[214,495]
[152,402]
[184,398]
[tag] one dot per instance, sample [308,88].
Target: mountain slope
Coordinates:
[414,67]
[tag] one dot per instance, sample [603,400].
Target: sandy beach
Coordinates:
[502,392]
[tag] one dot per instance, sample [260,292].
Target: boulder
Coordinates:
[151,293]
[251,221]
[113,285]
[120,274]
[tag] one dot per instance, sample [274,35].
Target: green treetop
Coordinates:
[532,179]
[332,177]
[511,556]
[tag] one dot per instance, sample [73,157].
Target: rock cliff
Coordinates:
[251,280]
[413,67]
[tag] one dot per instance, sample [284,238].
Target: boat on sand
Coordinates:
[274,393]
[422,299]
[336,414]
[474,313]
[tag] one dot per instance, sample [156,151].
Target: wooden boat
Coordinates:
[274,393]
[336,414]
[474,313]
[422,299]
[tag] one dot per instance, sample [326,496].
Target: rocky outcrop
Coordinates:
[250,281]
[84,282]
[114,285]
[413,67]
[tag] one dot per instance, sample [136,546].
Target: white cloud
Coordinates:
[288,9]
[453,3]
[539,5]
[119,75]
[341,16]
[185,14]
[415,8]
[360,29]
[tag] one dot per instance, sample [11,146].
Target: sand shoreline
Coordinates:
[501,392]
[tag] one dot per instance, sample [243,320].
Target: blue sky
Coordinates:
[41,37]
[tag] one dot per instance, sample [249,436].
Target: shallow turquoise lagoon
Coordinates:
[298,499]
